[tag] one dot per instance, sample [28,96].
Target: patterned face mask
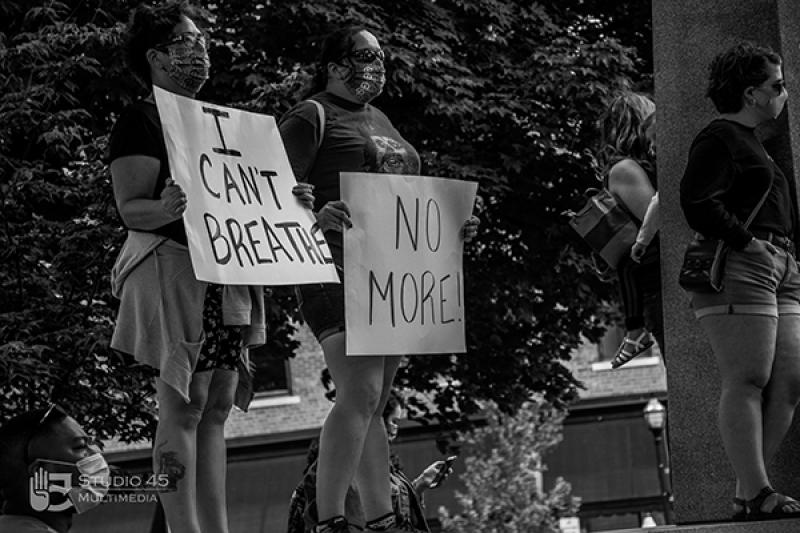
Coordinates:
[188,61]
[367,74]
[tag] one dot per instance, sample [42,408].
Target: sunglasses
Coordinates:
[188,39]
[367,55]
[53,411]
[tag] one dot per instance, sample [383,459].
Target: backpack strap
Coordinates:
[321,118]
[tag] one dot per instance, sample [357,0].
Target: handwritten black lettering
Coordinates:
[230,184]
[426,295]
[413,236]
[274,242]
[215,236]
[217,113]
[320,242]
[269,174]
[438,228]
[286,226]
[387,293]
[404,293]
[236,241]
[255,242]
[205,160]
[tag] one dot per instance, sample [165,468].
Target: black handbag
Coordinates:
[703,265]
[704,259]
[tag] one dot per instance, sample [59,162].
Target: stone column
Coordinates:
[687,34]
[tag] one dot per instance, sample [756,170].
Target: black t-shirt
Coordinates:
[357,138]
[727,174]
[138,132]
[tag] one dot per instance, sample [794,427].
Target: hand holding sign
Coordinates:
[304,192]
[333,216]
[173,199]
[471,228]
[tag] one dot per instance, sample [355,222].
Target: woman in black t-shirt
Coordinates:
[357,137]
[167,318]
[753,324]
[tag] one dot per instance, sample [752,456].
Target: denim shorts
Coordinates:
[754,283]
[322,307]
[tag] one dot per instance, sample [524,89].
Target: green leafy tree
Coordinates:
[501,92]
[503,475]
[504,93]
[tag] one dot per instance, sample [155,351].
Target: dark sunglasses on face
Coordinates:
[778,87]
[367,55]
[189,40]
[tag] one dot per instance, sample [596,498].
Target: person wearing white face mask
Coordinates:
[195,335]
[339,130]
[49,470]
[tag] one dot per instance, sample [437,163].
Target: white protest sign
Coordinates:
[403,275]
[244,225]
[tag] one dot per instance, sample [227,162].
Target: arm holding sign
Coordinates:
[134,179]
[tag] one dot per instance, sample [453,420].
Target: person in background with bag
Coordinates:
[351,136]
[753,322]
[628,156]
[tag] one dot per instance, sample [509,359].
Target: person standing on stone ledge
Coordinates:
[753,324]
[628,156]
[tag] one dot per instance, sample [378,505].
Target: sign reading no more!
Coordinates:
[244,225]
[403,257]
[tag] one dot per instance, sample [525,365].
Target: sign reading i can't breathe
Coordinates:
[244,225]
[403,263]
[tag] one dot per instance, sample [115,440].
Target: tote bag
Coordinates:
[606,226]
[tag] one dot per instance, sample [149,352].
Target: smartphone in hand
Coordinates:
[442,473]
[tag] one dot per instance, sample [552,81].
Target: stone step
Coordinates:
[771,526]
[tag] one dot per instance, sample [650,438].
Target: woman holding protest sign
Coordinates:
[339,131]
[194,334]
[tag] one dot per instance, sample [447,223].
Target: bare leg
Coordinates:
[359,383]
[782,393]
[211,453]
[373,470]
[175,451]
[744,347]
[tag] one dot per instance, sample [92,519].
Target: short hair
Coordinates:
[151,26]
[734,70]
[622,128]
[335,46]
[16,434]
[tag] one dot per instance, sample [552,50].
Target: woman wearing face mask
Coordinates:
[753,324]
[193,333]
[357,137]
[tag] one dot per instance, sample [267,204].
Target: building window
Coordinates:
[272,374]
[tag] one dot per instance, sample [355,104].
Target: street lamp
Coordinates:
[656,417]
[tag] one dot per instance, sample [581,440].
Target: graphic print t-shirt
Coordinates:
[357,138]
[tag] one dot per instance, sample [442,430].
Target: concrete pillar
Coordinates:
[687,34]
